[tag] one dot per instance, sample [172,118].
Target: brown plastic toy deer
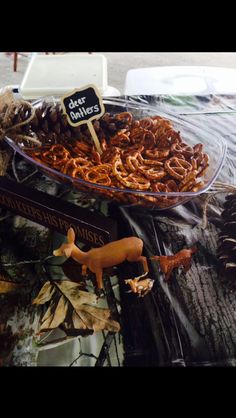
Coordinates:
[169,262]
[108,255]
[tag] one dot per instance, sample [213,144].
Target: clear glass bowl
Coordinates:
[191,133]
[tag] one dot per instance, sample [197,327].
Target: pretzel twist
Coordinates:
[177,168]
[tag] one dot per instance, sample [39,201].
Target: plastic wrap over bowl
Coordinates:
[190,133]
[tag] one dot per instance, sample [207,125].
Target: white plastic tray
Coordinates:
[58,74]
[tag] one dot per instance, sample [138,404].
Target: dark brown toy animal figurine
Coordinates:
[169,262]
[108,255]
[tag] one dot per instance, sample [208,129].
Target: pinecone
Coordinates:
[51,126]
[227,237]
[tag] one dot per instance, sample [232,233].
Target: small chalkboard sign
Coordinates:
[82,106]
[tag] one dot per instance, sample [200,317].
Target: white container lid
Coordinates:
[48,75]
[180,80]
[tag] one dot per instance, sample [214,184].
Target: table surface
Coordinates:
[189,321]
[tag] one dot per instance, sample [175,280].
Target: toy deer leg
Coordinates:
[186,264]
[157,258]
[99,279]
[84,270]
[168,273]
[144,263]
[163,263]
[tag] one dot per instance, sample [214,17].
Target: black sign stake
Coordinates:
[82,106]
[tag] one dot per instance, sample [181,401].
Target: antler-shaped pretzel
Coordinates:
[147,123]
[165,188]
[198,148]
[203,165]
[56,156]
[158,153]
[103,144]
[148,139]
[75,163]
[110,155]
[139,135]
[126,117]
[121,139]
[177,168]
[188,182]
[82,146]
[132,162]
[161,123]
[160,187]
[136,148]
[119,170]
[182,148]
[96,156]
[136,135]
[171,186]
[99,174]
[134,181]
[154,173]
[144,161]
[131,181]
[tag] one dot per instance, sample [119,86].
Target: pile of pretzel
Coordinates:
[148,156]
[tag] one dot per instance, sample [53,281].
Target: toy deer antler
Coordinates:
[108,255]
[169,262]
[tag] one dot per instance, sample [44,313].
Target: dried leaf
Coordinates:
[78,323]
[7,287]
[49,312]
[57,316]
[72,308]
[76,296]
[45,294]
[98,319]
